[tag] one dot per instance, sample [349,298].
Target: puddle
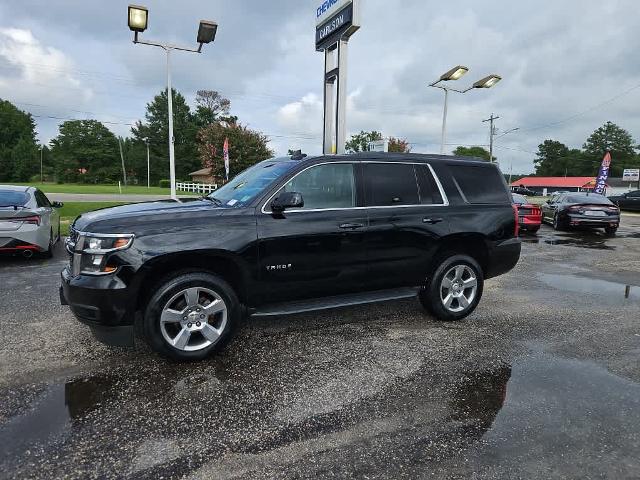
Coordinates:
[53,414]
[573,283]
[558,409]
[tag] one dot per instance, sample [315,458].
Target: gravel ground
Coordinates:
[542,381]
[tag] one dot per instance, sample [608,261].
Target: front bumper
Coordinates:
[503,256]
[102,303]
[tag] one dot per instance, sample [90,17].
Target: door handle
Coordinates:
[432,221]
[351,226]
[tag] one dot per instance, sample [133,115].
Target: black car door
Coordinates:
[631,201]
[317,250]
[406,220]
[550,208]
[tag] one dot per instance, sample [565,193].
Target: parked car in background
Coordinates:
[522,190]
[29,222]
[529,214]
[581,210]
[627,201]
[292,235]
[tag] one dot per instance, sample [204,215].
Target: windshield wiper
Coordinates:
[214,200]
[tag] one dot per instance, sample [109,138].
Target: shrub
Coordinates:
[164,184]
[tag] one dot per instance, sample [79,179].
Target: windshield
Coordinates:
[597,199]
[519,199]
[10,198]
[246,186]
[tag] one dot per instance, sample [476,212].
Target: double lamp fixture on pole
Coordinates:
[455,74]
[138,22]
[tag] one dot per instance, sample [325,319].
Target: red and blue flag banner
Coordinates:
[226,157]
[603,175]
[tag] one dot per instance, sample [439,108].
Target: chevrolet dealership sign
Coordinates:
[335,19]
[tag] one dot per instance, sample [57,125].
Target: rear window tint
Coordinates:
[429,191]
[9,198]
[479,184]
[390,184]
[597,199]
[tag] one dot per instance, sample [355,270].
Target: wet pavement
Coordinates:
[542,381]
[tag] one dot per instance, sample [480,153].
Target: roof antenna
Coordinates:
[298,155]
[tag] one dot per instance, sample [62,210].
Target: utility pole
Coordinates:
[41,175]
[148,169]
[492,133]
[124,172]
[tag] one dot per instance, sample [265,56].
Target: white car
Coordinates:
[29,222]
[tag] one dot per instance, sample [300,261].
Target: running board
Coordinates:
[338,301]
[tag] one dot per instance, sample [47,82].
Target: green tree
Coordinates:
[551,160]
[86,151]
[156,131]
[18,147]
[477,152]
[609,138]
[212,107]
[360,141]
[246,147]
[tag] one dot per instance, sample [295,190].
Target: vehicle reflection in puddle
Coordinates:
[552,402]
[595,242]
[480,397]
[53,414]
[612,290]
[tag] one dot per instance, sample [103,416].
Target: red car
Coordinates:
[529,215]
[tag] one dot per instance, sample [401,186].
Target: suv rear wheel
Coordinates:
[191,316]
[455,288]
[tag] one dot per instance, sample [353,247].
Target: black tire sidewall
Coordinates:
[167,289]
[430,295]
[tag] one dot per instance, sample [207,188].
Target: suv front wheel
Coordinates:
[191,316]
[454,289]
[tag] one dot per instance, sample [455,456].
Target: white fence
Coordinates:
[195,187]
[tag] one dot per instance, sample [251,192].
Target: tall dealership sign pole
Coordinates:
[336,22]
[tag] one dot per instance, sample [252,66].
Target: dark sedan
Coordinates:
[581,210]
[627,201]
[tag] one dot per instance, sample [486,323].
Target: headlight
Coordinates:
[92,252]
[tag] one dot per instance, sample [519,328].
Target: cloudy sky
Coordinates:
[568,66]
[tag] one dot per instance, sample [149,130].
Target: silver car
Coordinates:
[29,222]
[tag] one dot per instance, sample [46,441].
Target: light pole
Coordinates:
[138,19]
[148,166]
[41,175]
[454,74]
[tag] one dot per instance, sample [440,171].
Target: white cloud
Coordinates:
[36,77]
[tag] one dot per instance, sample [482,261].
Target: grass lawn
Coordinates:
[104,189]
[71,210]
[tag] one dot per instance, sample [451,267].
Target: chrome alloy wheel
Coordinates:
[193,319]
[458,288]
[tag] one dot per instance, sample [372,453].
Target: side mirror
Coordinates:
[287,200]
[57,204]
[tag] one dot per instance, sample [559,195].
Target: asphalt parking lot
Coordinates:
[542,381]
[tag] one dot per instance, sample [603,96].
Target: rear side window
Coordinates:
[478,184]
[41,199]
[390,184]
[429,191]
[9,198]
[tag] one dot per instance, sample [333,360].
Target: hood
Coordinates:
[133,217]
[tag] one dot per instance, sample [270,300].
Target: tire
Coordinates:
[48,253]
[435,295]
[556,223]
[201,312]
[610,231]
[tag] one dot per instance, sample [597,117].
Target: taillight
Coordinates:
[516,231]
[34,220]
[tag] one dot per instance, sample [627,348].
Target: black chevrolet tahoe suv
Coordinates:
[290,235]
